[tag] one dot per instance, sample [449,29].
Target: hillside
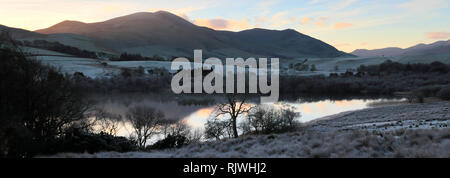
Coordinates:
[168,35]
[439,47]
[21,33]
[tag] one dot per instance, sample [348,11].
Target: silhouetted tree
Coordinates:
[233,107]
[37,103]
[144,121]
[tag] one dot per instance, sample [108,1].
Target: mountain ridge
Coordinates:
[166,34]
[437,47]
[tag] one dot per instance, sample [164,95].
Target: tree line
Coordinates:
[136,57]
[43,111]
[58,47]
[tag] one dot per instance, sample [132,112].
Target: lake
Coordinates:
[196,115]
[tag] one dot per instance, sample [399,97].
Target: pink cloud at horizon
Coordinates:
[438,35]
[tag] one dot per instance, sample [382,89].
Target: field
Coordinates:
[97,68]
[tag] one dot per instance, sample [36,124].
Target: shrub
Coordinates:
[37,104]
[136,57]
[301,67]
[444,93]
[79,141]
[171,141]
[430,91]
[216,128]
[264,119]
[144,120]
[313,67]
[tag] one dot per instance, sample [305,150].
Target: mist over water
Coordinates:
[196,115]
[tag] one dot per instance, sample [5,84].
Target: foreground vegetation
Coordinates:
[44,112]
[334,144]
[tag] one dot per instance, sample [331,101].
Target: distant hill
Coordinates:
[21,33]
[166,34]
[378,52]
[74,40]
[439,47]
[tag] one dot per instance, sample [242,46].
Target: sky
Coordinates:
[345,24]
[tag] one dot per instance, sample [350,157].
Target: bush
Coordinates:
[389,67]
[444,93]
[416,96]
[313,67]
[136,57]
[171,141]
[217,128]
[37,104]
[264,119]
[430,91]
[78,141]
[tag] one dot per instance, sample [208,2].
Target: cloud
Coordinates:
[342,25]
[182,12]
[185,17]
[223,24]
[320,24]
[305,20]
[438,35]
[218,23]
[282,18]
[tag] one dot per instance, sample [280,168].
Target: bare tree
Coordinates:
[265,119]
[234,106]
[145,122]
[38,104]
[256,118]
[173,127]
[165,126]
[108,122]
[216,128]
[195,136]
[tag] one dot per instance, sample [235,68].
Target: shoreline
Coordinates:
[410,130]
[400,116]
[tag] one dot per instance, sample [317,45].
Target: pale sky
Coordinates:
[345,24]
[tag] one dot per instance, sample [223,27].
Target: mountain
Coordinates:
[21,33]
[166,34]
[434,48]
[378,52]
[74,40]
[439,47]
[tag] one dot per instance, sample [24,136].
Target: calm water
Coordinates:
[197,115]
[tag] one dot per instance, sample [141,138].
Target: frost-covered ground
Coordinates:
[413,130]
[406,116]
[324,66]
[70,65]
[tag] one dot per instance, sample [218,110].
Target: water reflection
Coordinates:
[196,115]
